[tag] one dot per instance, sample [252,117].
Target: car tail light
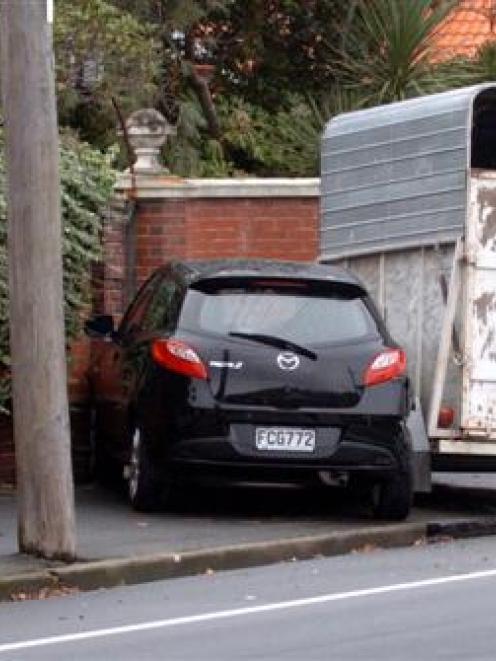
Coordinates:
[385,366]
[179,357]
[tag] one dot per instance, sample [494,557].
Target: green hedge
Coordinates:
[87,180]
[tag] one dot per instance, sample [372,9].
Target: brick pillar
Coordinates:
[160,234]
[114,255]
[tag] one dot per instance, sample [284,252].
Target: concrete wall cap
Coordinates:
[169,187]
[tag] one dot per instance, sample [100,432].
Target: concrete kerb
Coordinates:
[28,583]
[145,568]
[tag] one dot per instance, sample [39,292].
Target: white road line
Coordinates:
[238,612]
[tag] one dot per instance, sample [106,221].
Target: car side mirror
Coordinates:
[100,326]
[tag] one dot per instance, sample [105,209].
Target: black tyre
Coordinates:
[392,499]
[145,485]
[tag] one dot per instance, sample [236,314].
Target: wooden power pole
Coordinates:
[41,419]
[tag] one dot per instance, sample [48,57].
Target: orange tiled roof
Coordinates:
[470,25]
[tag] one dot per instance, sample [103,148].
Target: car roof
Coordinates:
[194,271]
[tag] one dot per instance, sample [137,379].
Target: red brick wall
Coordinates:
[161,234]
[79,418]
[280,228]
[78,387]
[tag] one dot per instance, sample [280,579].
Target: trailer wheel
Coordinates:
[392,499]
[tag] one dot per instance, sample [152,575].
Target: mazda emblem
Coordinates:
[288,361]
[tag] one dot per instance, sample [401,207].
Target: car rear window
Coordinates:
[293,311]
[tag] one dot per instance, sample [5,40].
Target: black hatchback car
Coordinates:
[239,371]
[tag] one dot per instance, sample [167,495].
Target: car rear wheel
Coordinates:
[392,499]
[145,486]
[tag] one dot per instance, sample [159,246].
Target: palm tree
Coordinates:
[386,54]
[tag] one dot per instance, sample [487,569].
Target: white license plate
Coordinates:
[281,438]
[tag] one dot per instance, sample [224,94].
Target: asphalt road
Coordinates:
[425,602]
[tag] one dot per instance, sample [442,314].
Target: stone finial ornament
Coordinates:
[148,130]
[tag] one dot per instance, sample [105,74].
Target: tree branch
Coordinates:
[201,88]
[204,95]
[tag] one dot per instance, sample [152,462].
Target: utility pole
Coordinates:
[46,525]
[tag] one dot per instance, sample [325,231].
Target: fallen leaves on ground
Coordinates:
[45,592]
[441,539]
[366,548]
[421,541]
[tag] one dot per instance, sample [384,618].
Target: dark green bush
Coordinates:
[87,179]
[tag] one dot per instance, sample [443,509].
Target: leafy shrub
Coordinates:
[86,184]
[255,141]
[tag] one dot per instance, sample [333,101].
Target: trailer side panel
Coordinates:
[479,382]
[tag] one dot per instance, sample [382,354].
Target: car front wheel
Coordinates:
[145,487]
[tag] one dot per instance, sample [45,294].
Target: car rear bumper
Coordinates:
[368,451]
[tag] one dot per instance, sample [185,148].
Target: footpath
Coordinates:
[216,530]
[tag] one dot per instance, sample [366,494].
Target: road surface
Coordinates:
[424,602]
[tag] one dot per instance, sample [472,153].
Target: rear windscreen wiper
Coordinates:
[278,342]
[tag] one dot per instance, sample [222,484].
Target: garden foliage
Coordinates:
[86,184]
[278,71]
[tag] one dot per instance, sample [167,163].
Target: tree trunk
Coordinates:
[204,96]
[202,90]
[46,525]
